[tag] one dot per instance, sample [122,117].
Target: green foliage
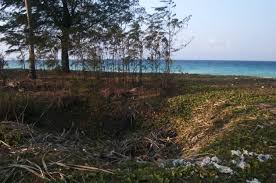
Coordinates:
[232,117]
[163,26]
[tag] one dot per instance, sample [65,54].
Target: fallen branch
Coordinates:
[83,168]
[5,144]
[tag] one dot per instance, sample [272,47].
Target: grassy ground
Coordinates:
[65,129]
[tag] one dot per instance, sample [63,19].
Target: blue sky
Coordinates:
[227,29]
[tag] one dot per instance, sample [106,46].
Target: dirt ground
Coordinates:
[64,125]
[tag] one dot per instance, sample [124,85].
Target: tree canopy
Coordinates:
[104,34]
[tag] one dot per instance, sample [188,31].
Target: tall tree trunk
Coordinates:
[32,70]
[140,71]
[65,51]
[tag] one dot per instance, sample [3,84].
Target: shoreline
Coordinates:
[260,69]
[146,73]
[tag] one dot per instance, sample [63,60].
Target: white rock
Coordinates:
[245,152]
[223,169]
[215,159]
[206,161]
[242,165]
[264,157]
[260,126]
[178,162]
[12,84]
[253,181]
[236,153]
[181,162]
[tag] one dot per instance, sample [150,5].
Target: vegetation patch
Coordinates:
[188,134]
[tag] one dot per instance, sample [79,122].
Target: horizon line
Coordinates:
[242,60]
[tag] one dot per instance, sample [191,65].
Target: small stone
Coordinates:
[215,159]
[253,181]
[206,161]
[223,169]
[242,165]
[178,162]
[12,84]
[260,126]
[236,153]
[245,152]
[181,162]
[263,158]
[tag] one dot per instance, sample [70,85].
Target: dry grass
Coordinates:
[192,119]
[53,156]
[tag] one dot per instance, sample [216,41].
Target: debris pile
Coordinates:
[49,156]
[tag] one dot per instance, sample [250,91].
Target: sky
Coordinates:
[227,29]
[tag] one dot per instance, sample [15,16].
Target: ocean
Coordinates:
[264,69]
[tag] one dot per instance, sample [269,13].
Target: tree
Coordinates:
[21,59]
[70,17]
[57,24]
[30,39]
[3,63]
[64,15]
[22,28]
[168,27]
[135,46]
[153,36]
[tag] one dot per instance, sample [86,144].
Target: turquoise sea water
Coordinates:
[240,68]
[265,69]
